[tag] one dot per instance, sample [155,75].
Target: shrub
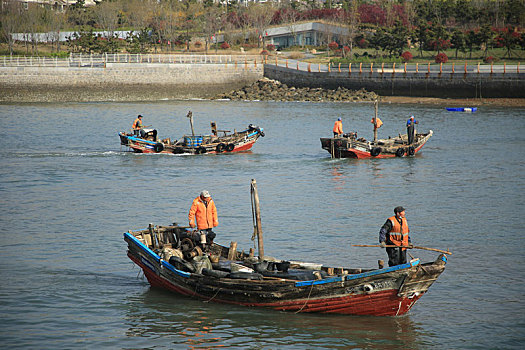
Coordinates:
[406,56]
[346,49]
[198,44]
[441,58]
[362,43]
[333,46]
[225,46]
[296,55]
[270,47]
[265,52]
[490,59]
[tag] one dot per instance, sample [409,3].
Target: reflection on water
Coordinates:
[198,324]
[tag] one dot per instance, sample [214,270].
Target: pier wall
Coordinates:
[121,81]
[456,84]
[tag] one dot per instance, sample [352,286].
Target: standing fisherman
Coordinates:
[411,128]
[204,212]
[338,128]
[395,232]
[137,126]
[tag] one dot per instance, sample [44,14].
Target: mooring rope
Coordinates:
[218,290]
[307,299]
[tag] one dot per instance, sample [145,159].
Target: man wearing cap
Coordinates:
[137,126]
[395,232]
[338,128]
[204,212]
[411,127]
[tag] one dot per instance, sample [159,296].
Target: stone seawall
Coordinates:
[123,82]
[444,85]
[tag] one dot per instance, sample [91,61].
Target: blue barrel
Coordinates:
[192,141]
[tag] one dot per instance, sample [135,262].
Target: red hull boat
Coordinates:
[180,260]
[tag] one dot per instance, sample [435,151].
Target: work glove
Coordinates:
[382,245]
[410,245]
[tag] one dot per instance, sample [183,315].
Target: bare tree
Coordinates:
[34,23]
[107,16]
[10,17]
[213,22]
[290,16]
[261,16]
[352,21]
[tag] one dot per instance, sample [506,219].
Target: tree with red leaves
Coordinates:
[509,38]
[406,56]
[441,58]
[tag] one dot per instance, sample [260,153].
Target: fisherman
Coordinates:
[138,127]
[204,212]
[411,128]
[338,128]
[378,123]
[395,232]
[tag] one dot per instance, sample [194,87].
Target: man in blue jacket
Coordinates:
[411,129]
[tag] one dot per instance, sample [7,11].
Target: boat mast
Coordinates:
[190,115]
[375,122]
[257,225]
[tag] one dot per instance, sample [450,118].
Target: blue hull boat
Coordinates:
[462,109]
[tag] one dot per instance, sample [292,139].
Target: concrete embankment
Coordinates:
[123,82]
[183,77]
[455,84]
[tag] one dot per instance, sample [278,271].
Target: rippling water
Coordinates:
[69,191]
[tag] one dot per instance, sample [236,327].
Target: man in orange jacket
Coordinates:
[338,128]
[395,232]
[137,126]
[204,213]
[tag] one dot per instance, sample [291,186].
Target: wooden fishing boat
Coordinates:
[193,144]
[173,258]
[349,146]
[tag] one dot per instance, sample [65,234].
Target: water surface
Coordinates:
[69,191]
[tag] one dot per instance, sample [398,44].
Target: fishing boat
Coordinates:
[349,146]
[462,109]
[176,259]
[228,141]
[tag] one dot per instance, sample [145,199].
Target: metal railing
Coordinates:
[101,60]
[392,68]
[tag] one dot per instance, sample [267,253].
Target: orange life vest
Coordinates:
[399,232]
[206,216]
[378,122]
[137,124]
[338,127]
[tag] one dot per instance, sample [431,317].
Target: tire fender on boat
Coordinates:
[159,147]
[220,147]
[201,150]
[400,152]
[411,151]
[375,151]
[230,147]
[368,288]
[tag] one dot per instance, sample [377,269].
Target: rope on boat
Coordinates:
[307,299]
[419,266]
[218,290]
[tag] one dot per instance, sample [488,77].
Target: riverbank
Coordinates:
[261,90]
[273,90]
